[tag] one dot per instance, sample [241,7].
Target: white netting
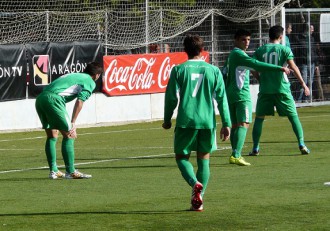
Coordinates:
[119,24]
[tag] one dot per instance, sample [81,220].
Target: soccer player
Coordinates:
[237,74]
[274,89]
[50,106]
[196,83]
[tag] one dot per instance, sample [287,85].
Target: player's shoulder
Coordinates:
[236,52]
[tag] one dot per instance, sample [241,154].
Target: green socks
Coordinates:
[202,175]
[68,154]
[297,129]
[50,149]
[187,171]
[238,141]
[203,172]
[256,132]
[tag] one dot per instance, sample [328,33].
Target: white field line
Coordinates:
[108,160]
[134,130]
[98,161]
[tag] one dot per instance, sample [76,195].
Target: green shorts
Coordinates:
[284,104]
[52,112]
[240,112]
[187,140]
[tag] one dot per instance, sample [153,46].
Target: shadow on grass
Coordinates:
[288,142]
[104,212]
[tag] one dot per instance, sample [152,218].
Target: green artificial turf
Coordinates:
[136,184]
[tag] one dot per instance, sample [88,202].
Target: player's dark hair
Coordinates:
[93,68]
[193,45]
[275,32]
[242,32]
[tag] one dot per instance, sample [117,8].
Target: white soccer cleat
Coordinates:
[77,175]
[56,175]
[327,183]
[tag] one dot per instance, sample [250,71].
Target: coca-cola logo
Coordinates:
[138,74]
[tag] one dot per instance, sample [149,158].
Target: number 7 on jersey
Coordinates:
[198,77]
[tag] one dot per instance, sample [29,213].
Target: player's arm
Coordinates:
[297,74]
[76,110]
[171,99]
[259,66]
[221,99]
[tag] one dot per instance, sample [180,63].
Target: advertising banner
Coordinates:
[140,74]
[48,61]
[12,72]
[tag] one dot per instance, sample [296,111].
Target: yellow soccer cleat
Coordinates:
[239,161]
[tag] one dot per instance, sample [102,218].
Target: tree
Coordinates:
[308,4]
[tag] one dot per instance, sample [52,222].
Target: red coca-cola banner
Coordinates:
[140,74]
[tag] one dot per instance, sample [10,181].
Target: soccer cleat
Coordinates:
[254,152]
[196,198]
[327,183]
[77,175]
[239,161]
[304,150]
[200,209]
[56,175]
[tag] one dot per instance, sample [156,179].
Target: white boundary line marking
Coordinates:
[98,161]
[133,130]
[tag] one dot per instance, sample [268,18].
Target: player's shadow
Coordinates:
[97,212]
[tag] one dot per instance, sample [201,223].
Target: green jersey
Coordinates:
[71,86]
[273,82]
[238,66]
[197,83]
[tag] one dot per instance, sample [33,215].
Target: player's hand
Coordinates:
[306,90]
[286,70]
[167,125]
[225,133]
[73,132]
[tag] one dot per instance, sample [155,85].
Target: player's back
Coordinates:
[277,54]
[70,85]
[196,81]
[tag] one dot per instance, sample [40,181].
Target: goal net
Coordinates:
[119,24]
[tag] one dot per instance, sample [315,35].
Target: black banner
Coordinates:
[13,71]
[48,61]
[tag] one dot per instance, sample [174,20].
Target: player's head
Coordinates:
[288,28]
[193,45]
[94,69]
[276,32]
[242,39]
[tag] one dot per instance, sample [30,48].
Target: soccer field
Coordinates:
[136,184]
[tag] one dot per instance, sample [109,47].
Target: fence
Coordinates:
[312,58]
[311,52]
[217,32]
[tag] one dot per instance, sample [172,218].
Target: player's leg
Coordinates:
[285,106]
[264,107]
[244,116]
[256,134]
[233,118]
[69,157]
[44,106]
[206,144]
[50,149]
[59,118]
[184,143]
